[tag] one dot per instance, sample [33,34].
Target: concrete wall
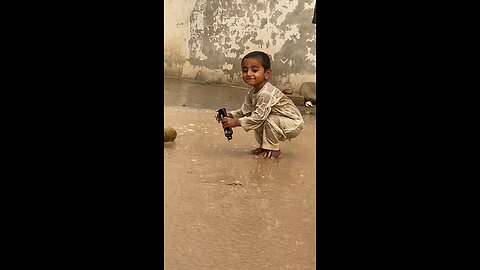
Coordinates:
[205,40]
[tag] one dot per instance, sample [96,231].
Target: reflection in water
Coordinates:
[225,209]
[169,145]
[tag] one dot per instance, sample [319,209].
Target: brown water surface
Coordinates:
[225,209]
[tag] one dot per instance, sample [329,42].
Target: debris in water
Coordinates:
[169,134]
[235,184]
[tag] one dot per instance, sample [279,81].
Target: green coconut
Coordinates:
[169,134]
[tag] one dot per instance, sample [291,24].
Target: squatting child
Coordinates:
[266,110]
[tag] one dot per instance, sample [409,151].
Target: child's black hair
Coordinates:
[261,57]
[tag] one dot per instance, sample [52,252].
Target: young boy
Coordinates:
[266,110]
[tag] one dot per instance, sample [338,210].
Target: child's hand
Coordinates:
[217,117]
[230,122]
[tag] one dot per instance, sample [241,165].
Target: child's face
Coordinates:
[254,73]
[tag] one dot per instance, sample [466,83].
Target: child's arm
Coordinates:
[261,112]
[254,119]
[230,122]
[245,109]
[235,114]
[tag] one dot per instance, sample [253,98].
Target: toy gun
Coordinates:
[228,131]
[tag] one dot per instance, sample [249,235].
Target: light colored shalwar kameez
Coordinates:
[271,114]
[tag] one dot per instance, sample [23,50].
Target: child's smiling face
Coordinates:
[254,73]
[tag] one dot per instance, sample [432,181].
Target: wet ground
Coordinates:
[213,96]
[225,209]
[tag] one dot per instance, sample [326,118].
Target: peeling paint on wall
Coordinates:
[215,34]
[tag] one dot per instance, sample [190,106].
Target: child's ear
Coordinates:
[268,73]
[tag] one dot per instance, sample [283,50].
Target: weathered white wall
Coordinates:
[206,39]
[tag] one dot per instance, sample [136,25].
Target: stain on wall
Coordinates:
[206,39]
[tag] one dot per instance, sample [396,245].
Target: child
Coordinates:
[266,110]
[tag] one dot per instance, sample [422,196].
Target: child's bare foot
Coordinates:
[270,154]
[257,151]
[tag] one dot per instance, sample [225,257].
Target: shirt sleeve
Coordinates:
[237,113]
[258,116]
[245,110]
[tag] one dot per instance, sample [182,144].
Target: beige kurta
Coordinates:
[271,114]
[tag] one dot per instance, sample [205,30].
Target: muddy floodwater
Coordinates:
[225,209]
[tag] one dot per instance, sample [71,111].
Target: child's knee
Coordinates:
[294,133]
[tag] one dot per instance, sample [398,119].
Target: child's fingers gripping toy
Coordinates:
[222,113]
